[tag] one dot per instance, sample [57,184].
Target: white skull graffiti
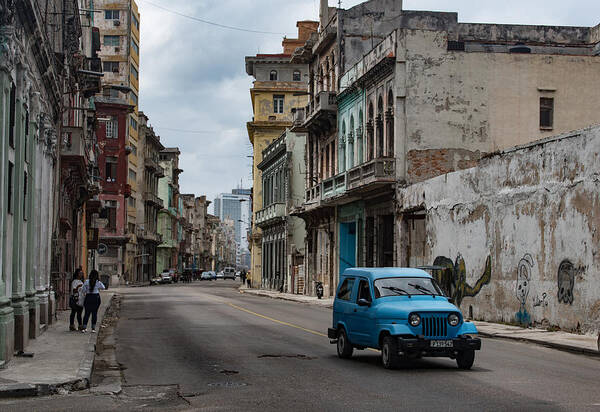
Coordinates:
[524,277]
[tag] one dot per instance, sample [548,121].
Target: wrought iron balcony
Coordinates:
[270,214]
[151,163]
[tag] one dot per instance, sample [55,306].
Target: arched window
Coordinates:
[342,152]
[273,75]
[379,127]
[389,124]
[359,139]
[370,136]
[296,77]
[351,143]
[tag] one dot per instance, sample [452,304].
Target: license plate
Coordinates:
[442,344]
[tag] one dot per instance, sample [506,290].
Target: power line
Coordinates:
[223,26]
[188,131]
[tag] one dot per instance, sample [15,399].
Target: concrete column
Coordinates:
[32,255]
[19,304]
[6,311]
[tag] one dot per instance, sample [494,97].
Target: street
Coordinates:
[206,346]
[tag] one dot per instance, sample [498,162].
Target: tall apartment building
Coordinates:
[148,238]
[236,207]
[119,24]
[169,226]
[277,89]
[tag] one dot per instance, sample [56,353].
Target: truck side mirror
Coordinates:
[363,302]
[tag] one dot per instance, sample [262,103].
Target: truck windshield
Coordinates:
[406,286]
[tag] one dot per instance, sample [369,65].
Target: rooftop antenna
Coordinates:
[339,4]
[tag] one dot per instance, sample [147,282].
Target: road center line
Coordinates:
[291,325]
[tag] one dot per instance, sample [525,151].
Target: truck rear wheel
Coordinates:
[344,348]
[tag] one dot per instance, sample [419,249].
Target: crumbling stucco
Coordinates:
[535,212]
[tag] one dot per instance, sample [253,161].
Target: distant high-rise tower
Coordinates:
[235,206]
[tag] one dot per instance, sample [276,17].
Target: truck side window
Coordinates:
[345,291]
[364,292]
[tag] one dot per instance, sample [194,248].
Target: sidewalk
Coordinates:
[312,300]
[62,359]
[586,344]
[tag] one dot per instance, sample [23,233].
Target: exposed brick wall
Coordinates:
[425,164]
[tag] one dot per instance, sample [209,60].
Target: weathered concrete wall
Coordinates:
[469,103]
[519,233]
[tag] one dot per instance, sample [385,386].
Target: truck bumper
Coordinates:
[426,347]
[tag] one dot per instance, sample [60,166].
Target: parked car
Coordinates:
[213,275]
[156,280]
[220,274]
[229,273]
[404,313]
[166,277]
[206,276]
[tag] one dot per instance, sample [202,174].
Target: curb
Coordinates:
[84,373]
[551,345]
[266,295]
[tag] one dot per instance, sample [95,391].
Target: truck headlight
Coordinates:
[414,320]
[453,319]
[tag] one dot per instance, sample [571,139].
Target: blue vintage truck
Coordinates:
[402,312]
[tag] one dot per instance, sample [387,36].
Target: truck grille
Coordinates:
[434,326]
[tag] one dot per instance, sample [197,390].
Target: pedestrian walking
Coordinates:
[243,276]
[91,303]
[75,302]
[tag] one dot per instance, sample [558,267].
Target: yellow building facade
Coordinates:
[278,88]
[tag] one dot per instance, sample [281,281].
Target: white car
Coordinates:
[166,277]
[220,275]
[229,273]
[206,276]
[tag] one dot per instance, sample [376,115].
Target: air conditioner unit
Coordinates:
[117,22]
[117,49]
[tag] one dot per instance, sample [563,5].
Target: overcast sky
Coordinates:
[194,87]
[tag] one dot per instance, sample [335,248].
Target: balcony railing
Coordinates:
[323,101]
[76,144]
[270,213]
[363,177]
[151,198]
[151,163]
[149,235]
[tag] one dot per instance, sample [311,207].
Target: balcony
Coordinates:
[151,199]
[160,171]
[372,174]
[349,185]
[298,119]
[321,112]
[151,163]
[149,236]
[270,214]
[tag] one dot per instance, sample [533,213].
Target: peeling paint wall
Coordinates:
[519,235]
[469,103]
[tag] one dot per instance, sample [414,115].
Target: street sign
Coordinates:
[102,249]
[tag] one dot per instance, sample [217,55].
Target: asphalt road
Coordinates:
[205,346]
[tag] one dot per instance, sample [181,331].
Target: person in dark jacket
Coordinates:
[75,301]
[91,303]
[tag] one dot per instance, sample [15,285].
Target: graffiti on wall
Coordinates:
[523,285]
[453,278]
[566,282]
[540,300]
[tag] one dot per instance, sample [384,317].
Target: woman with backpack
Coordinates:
[91,303]
[74,302]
